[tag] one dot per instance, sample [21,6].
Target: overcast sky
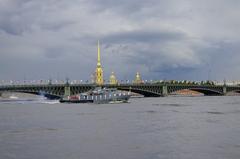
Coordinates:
[162,39]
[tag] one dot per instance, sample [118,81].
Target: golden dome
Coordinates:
[137,78]
[113,79]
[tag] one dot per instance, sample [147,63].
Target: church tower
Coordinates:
[113,79]
[99,70]
[138,79]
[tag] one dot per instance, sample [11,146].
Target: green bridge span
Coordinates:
[55,91]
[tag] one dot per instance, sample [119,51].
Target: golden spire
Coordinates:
[99,71]
[98,57]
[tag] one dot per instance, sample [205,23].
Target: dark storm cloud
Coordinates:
[147,36]
[160,51]
[159,38]
[125,7]
[53,53]
[15,17]
[18,16]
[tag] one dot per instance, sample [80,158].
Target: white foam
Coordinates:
[13,97]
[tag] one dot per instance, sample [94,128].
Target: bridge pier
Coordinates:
[67,90]
[224,90]
[164,90]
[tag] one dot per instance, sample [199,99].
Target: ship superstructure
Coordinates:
[99,96]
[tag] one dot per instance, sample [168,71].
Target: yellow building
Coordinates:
[137,79]
[99,70]
[113,79]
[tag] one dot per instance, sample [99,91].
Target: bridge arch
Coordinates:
[205,91]
[41,93]
[145,93]
[233,92]
[237,91]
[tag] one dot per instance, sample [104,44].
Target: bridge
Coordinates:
[56,91]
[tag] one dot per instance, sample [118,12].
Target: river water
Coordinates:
[145,128]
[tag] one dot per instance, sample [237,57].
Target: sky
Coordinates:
[161,39]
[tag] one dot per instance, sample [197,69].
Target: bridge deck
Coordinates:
[148,90]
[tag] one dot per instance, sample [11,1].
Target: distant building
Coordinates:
[113,79]
[97,77]
[138,79]
[99,70]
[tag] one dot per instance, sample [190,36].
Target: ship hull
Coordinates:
[122,99]
[75,101]
[105,101]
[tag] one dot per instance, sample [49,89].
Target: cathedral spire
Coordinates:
[98,57]
[99,70]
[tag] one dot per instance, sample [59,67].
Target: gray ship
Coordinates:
[99,96]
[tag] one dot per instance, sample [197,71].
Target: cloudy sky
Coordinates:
[162,39]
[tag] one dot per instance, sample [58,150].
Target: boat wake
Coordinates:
[13,97]
[28,101]
[50,102]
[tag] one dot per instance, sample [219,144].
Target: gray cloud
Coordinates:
[161,39]
[147,36]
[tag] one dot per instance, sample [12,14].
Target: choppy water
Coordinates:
[145,128]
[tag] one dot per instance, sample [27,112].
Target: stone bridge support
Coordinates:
[224,90]
[67,91]
[164,90]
